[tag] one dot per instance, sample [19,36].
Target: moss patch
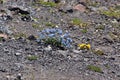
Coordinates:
[18,35]
[36,26]
[51,4]
[94,68]
[84,30]
[112,13]
[50,24]
[79,22]
[32,57]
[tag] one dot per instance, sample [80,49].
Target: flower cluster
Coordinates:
[84,46]
[56,36]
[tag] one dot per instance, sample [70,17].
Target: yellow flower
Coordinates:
[84,46]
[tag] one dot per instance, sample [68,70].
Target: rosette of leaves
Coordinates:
[55,37]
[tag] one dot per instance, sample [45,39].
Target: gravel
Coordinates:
[23,58]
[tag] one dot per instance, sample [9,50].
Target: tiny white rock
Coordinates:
[48,48]
[17,54]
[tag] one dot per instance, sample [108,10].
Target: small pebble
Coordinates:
[18,54]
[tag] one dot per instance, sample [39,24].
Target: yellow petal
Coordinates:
[84,46]
[88,46]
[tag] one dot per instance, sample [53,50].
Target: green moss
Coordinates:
[94,68]
[112,13]
[50,24]
[53,41]
[79,22]
[51,4]
[32,57]
[18,35]
[84,31]
[36,26]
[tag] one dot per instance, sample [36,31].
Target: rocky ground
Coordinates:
[96,22]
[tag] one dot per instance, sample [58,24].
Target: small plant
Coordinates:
[36,26]
[112,13]
[51,4]
[53,41]
[18,35]
[94,68]
[84,31]
[50,24]
[84,46]
[55,37]
[32,57]
[79,22]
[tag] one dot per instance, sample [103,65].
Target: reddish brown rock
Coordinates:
[80,8]
[3,36]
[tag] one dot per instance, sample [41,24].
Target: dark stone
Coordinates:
[26,18]
[108,40]
[61,10]
[6,17]
[113,72]
[3,70]
[118,75]
[18,10]
[19,77]
[84,4]
[70,10]
[31,37]
[112,58]
[56,1]
[118,20]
